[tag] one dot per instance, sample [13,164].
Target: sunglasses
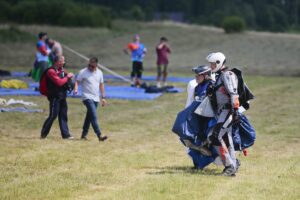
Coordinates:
[92,66]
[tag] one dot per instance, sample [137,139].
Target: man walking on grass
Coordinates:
[56,79]
[91,80]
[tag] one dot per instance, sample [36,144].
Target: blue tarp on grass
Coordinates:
[153,78]
[112,92]
[112,77]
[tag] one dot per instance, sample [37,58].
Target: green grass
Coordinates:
[254,52]
[142,158]
[12,34]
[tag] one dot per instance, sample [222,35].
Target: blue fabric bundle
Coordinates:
[192,127]
[243,134]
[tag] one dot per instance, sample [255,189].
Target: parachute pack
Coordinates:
[243,90]
[69,86]
[43,83]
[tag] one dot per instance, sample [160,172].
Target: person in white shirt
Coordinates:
[91,80]
[190,92]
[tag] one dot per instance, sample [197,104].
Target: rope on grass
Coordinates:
[99,65]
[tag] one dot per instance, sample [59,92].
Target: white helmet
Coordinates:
[218,58]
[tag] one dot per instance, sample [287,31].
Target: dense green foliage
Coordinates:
[54,12]
[272,15]
[233,24]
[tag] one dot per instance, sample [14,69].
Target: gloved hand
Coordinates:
[210,90]
[214,140]
[235,117]
[214,137]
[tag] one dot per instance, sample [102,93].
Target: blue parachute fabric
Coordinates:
[112,77]
[243,134]
[210,126]
[187,125]
[200,161]
[192,127]
[19,74]
[112,92]
[153,78]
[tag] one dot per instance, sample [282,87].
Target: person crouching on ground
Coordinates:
[57,78]
[91,80]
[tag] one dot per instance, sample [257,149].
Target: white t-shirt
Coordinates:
[190,92]
[90,82]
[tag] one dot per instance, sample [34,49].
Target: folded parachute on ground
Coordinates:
[13,84]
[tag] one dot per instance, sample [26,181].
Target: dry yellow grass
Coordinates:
[142,158]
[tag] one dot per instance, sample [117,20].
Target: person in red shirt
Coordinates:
[57,78]
[162,50]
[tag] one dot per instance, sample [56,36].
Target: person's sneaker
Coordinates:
[102,138]
[69,138]
[83,138]
[43,137]
[158,85]
[229,171]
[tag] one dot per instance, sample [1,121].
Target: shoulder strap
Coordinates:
[220,85]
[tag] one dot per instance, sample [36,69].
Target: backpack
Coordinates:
[69,86]
[243,90]
[43,83]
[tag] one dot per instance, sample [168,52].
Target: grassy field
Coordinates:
[254,52]
[142,158]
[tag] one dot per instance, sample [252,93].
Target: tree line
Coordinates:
[54,12]
[270,15]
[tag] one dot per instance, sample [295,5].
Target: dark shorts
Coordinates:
[162,68]
[137,69]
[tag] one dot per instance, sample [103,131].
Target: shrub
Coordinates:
[4,11]
[135,13]
[55,12]
[233,24]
